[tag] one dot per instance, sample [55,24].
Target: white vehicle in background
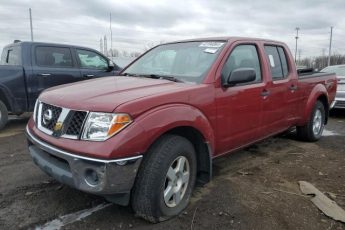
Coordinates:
[339,70]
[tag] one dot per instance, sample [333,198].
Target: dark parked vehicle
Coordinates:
[27,68]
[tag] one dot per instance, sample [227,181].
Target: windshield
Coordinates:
[187,61]
[338,70]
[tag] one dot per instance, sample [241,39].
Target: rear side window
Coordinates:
[278,63]
[53,56]
[243,56]
[11,56]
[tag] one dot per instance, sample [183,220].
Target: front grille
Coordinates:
[341,87]
[60,122]
[76,123]
[340,104]
[52,111]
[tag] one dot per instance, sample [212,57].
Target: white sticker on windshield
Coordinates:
[211,50]
[271,60]
[211,44]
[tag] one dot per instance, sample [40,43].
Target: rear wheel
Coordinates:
[3,115]
[312,131]
[165,180]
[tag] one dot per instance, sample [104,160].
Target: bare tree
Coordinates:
[320,62]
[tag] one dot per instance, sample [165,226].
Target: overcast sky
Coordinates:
[138,23]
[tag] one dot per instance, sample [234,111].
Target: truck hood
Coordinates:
[105,94]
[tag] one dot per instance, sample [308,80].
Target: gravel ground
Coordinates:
[255,188]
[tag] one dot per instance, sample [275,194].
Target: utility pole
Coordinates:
[32,34]
[111,38]
[297,29]
[105,46]
[323,63]
[299,56]
[330,48]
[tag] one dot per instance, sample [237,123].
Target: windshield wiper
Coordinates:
[130,75]
[165,77]
[154,76]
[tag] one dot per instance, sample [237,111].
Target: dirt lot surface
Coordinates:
[255,188]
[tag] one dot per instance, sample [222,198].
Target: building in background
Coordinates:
[101,46]
[105,46]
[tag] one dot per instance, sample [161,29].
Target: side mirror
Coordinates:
[111,65]
[240,75]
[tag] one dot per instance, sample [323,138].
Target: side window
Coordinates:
[278,63]
[243,56]
[11,56]
[91,60]
[53,56]
[284,61]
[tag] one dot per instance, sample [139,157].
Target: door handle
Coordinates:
[89,75]
[265,93]
[44,74]
[293,87]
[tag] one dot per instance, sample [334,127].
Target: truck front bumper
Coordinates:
[96,176]
[338,103]
[339,100]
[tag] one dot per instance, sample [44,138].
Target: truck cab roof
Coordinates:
[228,39]
[29,43]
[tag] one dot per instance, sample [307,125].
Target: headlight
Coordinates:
[101,126]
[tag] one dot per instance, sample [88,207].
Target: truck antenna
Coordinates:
[32,34]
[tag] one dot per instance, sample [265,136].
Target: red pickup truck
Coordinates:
[148,136]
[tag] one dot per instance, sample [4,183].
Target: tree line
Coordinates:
[321,62]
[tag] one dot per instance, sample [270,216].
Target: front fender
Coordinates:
[317,91]
[164,118]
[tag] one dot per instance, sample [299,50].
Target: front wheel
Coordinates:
[312,131]
[165,180]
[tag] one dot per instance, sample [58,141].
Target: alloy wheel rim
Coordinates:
[317,122]
[176,181]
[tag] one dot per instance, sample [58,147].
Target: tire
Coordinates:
[312,131]
[3,115]
[148,200]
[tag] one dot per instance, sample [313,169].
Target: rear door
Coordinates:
[278,107]
[12,82]
[93,64]
[52,66]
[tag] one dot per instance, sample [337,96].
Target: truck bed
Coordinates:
[310,72]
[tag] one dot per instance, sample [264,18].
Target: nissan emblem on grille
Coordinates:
[47,116]
[60,122]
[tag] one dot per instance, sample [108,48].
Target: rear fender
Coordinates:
[318,91]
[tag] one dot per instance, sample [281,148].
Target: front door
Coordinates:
[93,64]
[239,107]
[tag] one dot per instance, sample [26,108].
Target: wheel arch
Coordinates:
[319,92]
[202,148]
[4,99]
[186,121]
[323,99]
